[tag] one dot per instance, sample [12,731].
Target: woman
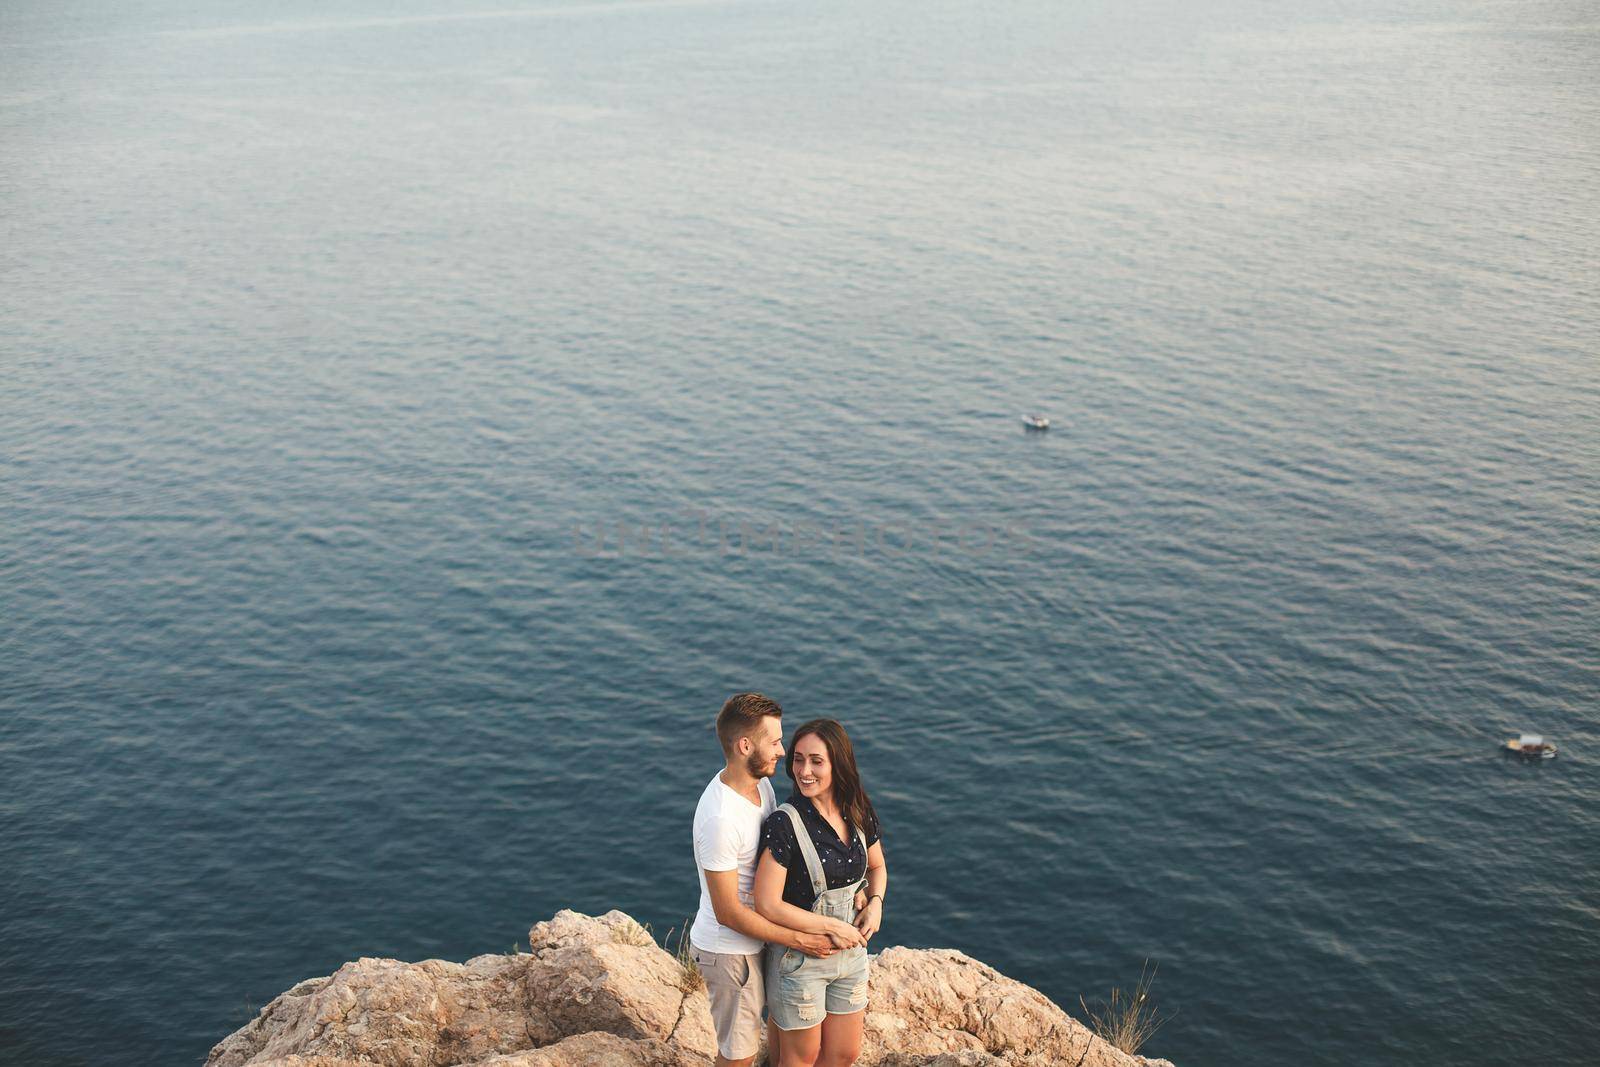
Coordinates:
[818,851]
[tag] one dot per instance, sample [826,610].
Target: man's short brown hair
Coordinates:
[741,714]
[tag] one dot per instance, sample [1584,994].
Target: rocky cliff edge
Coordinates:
[598,992]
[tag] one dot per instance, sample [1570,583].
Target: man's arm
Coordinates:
[736,915]
[770,905]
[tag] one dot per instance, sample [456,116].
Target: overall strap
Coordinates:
[813,862]
[866,860]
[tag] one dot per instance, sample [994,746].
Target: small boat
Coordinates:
[1036,422]
[1531,746]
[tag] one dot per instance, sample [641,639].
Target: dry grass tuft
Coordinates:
[692,978]
[631,933]
[1126,1020]
[641,935]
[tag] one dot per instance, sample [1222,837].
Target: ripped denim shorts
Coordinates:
[801,988]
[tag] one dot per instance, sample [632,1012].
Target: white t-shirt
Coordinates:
[727,836]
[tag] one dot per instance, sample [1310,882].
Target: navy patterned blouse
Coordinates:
[841,864]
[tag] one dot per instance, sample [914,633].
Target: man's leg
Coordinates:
[772,1043]
[733,985]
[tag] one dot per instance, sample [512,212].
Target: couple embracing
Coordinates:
[790,893]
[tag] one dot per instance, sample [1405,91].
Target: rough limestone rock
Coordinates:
[601,1050]
[598,992]
[941,1008]
[582,975]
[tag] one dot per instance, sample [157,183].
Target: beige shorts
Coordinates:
[738,994]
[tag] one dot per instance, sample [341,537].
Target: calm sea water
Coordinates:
[333,341]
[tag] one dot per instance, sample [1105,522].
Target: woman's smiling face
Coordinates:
[813,773]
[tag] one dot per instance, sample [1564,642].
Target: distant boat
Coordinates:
[1036,422]
[1531,746]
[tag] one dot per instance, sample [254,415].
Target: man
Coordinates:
[728,936]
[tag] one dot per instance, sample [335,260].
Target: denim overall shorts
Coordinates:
[801,988]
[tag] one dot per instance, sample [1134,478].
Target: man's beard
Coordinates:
[758,766]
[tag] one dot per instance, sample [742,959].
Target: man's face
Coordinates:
[767,748]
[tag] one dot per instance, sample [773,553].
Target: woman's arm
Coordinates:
[737,915]
[770,905]
[870,916]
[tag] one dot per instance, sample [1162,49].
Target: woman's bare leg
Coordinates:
[799,1048]
[841,1039]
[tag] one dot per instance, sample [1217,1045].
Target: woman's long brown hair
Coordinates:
[847,791]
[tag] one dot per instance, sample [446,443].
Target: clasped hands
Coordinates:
[843,935]
[869,916]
